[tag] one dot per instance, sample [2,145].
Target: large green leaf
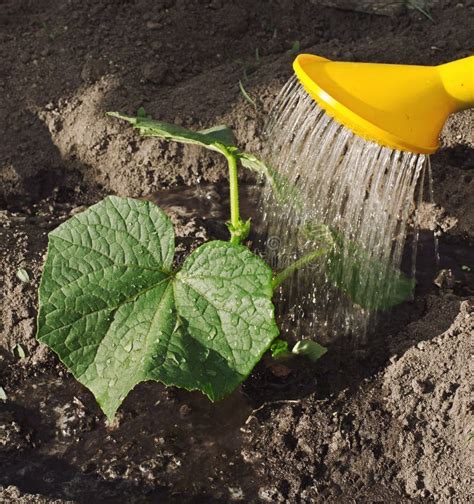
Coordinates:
[116,314]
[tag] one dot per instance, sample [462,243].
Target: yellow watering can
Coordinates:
[403,107]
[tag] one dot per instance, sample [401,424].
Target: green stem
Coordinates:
[238,229]
[234,191]
[299,264]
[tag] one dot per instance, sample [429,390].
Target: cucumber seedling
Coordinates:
[117,312]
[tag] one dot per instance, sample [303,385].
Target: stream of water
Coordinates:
[357,192]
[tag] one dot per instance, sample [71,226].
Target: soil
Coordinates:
[389,420]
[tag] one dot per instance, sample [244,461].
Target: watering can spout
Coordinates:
[403,107]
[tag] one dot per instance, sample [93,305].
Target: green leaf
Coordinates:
[22,275]
[218,138]
[283,191]
[117,314]
[369,282]
[221,134]
[348,266]
[279,348]
[310,349]
[295,47]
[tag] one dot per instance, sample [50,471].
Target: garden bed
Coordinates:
[388,421]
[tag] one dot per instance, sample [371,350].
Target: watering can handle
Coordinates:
[458,81]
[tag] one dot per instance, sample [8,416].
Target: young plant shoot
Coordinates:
[116,310]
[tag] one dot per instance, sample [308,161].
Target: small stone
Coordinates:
[155,72]
[93,69]
[236,493]
[78,209]
[419,387]
[269,495]
[445,279]
[449,491]
[153,25]
[413,484]
[185,411]
[280,370]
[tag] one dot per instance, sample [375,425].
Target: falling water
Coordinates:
[333,188]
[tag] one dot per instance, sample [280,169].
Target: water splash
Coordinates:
[361,192]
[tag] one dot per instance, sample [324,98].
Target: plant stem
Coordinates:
[234,199]
[299,264]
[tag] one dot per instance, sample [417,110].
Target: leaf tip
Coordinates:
[118,115]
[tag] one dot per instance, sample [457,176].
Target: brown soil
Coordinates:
[388,421]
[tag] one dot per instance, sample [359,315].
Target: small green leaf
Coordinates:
[117,314]
[19,351]
[241,231]
[310,349]
[141,112]
[3,394]
[22,275]
[279,348]
[218,138]
[295,48]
